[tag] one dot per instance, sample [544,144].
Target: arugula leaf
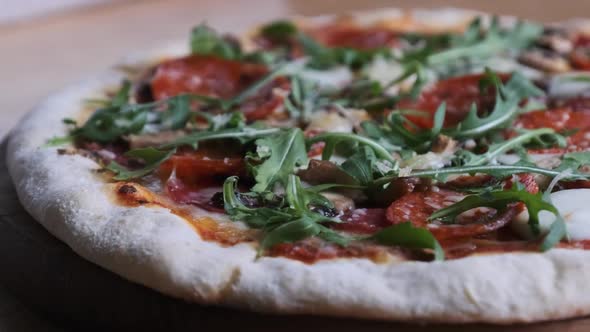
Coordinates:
[331,140]
[573,160]
[116,120]
[242,135]
[302,99]
[154,157]
[122,96]
[177,113]
[476,45]
[108,124]
[287,69]
[291,222]
[494,170]
[205,41]
[507,99]
[499,200]
[280,155]
[58,140]
[558,229]
[150,156]
[292,231]
[406,235]
[497,149]
[279,30]
[360,165]
[322,57]
[395,130]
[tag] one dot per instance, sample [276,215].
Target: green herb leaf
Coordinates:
[322,57]
[476,45]
[360,165]
[242,135]
[150,156]
[406,235]
[497,149]
[333,138]
[122,96]
[58,141]
[498,200]
[507,99]
[573,160]
[205,41]
[279,30]
[177,113]
[290,222]
[395,130]
[280,155]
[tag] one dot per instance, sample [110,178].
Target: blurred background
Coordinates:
[47,44]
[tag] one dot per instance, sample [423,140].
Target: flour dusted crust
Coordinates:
[154,247]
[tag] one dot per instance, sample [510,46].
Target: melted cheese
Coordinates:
[343,121]
[569,84]
[329,121]
[574,207]
[386,71]
[335,78]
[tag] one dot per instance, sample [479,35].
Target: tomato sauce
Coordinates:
[133,195]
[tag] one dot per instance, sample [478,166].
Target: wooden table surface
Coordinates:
[41,56]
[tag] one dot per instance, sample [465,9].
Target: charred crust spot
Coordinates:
[142,201]
[127,189]
[66,151]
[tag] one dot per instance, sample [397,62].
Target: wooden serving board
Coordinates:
[46,274]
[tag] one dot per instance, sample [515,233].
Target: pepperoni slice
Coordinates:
[574,115]
[459,93]
[568,117]
[577,104]
[362,221]
[580,58]
[416,207]
[205,75]
[352,36]
[201,166]
[183,193]
[266,101]
[528,180]
[338,34]
[216,77]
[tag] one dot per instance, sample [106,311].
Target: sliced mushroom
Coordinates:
[324,171]
[545,60]
[556,40]
[444,144]
[146,140]
[341,202]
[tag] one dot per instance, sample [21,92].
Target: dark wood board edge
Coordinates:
[47,275]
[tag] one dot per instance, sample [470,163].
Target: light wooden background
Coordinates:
[40,56]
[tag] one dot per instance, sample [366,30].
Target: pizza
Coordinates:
[425,165]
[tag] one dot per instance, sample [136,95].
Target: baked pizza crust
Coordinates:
[156,248]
